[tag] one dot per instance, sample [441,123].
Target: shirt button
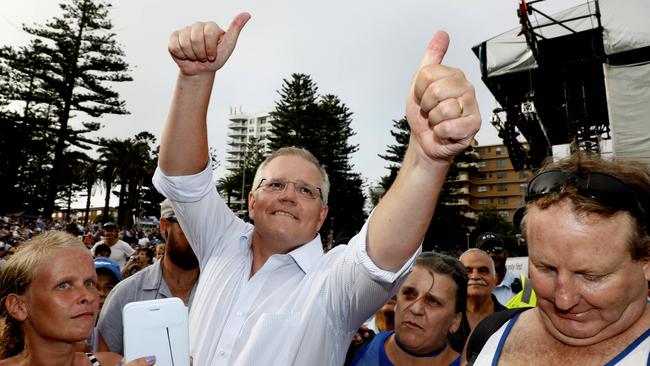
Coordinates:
[239,313]
[222,354]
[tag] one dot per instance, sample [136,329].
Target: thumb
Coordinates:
[232,34]
[436,49]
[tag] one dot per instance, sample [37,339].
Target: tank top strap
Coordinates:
[93,360]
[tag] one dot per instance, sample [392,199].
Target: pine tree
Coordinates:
[295,112]
[322,125]
[238,183]
[26,135]
[450,222]
[395,153]
[77,55]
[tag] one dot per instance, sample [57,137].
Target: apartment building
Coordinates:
[497,184]
[78,214]
[241,129]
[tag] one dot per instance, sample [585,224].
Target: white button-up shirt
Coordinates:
[300,308]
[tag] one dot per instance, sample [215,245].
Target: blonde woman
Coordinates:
[49,303]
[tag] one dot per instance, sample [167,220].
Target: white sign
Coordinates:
[519,265]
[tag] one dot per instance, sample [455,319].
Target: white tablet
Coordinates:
[158,328]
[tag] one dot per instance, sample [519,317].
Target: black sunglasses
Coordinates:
[495,250]
[602,187]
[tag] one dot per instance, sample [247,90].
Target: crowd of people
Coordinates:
[265,293]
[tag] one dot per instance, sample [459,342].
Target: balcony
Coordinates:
[237,133]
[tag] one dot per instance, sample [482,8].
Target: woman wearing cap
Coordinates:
[49,303]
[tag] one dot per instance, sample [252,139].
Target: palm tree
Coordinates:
[109,157]
[90,177]
[128,162]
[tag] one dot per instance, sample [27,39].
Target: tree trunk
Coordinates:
[107,197]
[89,192]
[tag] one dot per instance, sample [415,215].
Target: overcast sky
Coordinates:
[361,50]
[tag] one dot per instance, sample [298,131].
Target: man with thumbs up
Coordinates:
[268,294]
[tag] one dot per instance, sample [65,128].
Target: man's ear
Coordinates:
[16,307]
[646,268]
[323,216]
[164,224]
[251,206]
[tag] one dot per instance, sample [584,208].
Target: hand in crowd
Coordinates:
[204,47]
[441,108]
[361,335]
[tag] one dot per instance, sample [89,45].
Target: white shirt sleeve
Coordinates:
[359,283]
[204,216]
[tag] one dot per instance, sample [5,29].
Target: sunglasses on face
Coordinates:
[494,250]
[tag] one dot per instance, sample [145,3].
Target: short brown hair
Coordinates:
[634,175]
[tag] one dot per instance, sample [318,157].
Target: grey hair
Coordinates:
[303,153]
[481,251]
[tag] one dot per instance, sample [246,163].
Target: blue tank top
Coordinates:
[374,353]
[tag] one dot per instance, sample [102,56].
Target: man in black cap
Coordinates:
[512,290]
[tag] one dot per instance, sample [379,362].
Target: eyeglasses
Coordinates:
[171,219]
[303,190]
[602,187]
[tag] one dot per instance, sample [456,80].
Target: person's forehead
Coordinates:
[422,280]
[292,167]
[560,232]
[476,259]
[65,262]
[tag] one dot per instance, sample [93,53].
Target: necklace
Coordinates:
[434,353]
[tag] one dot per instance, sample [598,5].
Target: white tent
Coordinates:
[626,42]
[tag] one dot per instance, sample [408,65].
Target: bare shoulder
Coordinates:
[108,358]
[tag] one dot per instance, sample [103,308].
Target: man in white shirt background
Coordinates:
[120,250]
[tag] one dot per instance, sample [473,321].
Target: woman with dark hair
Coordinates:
[49,303]
[429,306]
[145,256]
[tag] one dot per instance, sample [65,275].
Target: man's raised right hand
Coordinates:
[204,47]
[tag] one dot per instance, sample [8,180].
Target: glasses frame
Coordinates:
[295,187]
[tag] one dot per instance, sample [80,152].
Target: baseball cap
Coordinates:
[489,240]
[166,209]
[110,225]
[109,264]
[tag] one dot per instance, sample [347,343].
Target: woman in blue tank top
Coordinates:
[429,306]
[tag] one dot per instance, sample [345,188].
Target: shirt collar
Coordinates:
[152,276]
[307,256]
